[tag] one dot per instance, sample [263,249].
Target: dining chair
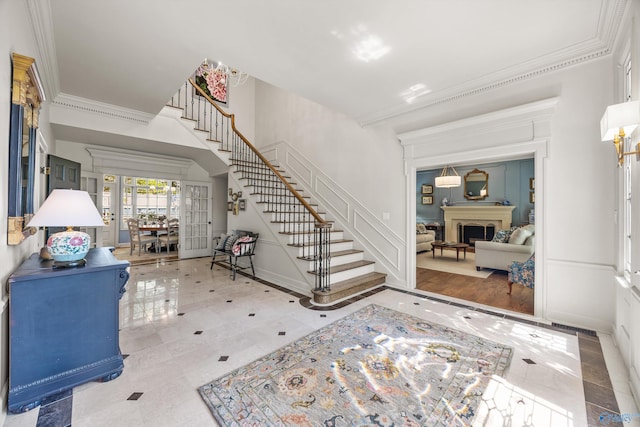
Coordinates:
[172,237]
[137,238]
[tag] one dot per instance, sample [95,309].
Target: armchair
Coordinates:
[522,273]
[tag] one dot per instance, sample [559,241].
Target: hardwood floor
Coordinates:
[491,291]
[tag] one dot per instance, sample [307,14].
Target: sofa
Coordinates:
[424,238]
[507,246]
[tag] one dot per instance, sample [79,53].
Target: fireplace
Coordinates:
[498,217]
[471,233]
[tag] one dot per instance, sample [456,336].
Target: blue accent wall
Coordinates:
[507,181]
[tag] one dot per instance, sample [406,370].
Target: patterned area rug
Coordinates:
[375,367]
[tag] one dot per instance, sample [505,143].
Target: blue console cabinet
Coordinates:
[63,326]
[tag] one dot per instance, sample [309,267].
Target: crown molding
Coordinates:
[522,115]
[137,163]
[112,111]
[42,28]
[612,15]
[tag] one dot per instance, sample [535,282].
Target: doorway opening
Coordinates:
[154,201]
[451,270]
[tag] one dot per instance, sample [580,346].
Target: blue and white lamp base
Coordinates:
[68,248]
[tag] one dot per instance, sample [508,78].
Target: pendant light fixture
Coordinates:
[448,180]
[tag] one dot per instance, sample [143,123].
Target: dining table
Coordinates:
[155,230]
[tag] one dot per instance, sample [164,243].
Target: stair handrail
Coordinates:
[231,116]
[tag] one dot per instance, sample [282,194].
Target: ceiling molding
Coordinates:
[138,163]
[602,44]
[490,123]
[111,111]
[42,26]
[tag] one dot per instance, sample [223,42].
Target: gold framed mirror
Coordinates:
[26,96]
[476,185]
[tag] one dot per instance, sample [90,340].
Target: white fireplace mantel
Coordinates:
[499,216]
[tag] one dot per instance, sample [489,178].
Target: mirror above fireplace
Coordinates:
[476,185]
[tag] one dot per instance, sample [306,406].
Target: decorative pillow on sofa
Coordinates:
[421,229]
[519,236]
[502,236]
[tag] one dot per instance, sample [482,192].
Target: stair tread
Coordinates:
[272,212]
[313,221]
[335,254]
[294,233]
[374,278]
[348,266]
[354,281]
[331,242]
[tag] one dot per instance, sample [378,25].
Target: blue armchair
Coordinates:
[522,273]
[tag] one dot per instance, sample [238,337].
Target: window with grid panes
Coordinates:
[627,211]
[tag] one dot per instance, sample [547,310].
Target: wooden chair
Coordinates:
[235,246]
[137,238]
[173,235]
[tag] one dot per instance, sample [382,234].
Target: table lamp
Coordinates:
[68,208]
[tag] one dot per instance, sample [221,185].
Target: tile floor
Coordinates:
[183,325]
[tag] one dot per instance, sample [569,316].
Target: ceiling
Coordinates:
[359,57]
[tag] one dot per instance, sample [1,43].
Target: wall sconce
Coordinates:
[235,197]
[619,121]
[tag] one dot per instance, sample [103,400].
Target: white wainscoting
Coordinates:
[570,287]
[380,243]
[627,332]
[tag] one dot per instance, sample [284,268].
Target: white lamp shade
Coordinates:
[448,181]
[67,208]
[624,116]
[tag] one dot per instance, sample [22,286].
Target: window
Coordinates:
[627,181]
[149,199]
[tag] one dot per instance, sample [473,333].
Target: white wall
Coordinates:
[579,170]
[365,162]
[579,190]
[15,36]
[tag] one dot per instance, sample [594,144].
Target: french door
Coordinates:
[195,221]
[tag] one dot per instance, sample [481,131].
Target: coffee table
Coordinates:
[457,246]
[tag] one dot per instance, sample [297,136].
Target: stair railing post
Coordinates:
[322,257]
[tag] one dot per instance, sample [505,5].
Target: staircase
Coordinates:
[335,267]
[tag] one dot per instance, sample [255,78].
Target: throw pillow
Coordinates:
[228,245]
[221,241]
[501,236]
[519,236]
[421,229]
[238,248]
